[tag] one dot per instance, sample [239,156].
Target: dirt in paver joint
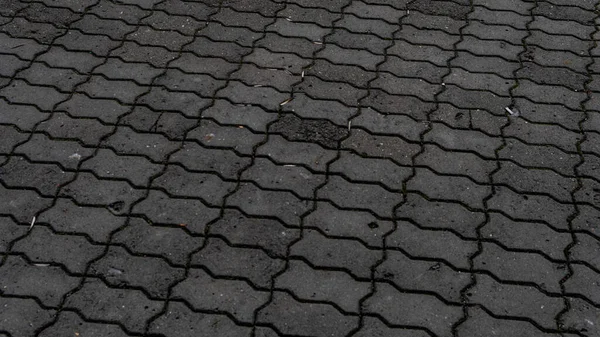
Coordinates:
[299,168]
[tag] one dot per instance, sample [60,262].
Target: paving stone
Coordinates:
[516,301]
[121,269]
[357,168]
[335,287]
[132,52]
[485,64]
[173,125]
[211,134]
[180,320]
[478,319]
[553,58]
[507,34]
[44,178]
[173,244]
[86,130]
[369,197]
[41,148]
[526,236]
[185,25]
[250,264]
[23,205]
[308,107]
[342,92]
[521,267]
[191,63]
[322,132]
[400,67]
[24,117]
[549,157]
[235,297]
[278,204]
[160,208]
[416,310]
[456,163]
[282,151]
[349,255]
[299,180]
[405,86]
[136,170]
[250,20]
[43,246]
[225,163]
[115,68]
[121,11]
[68,319]
[362,25]
[437,244]
[550,114]
[277,43]
[461,189]
[12,65]
[129,307]
[264,97]
[530,207]
[368,145]
[44,98]
[171,40]
[372,326]
[126,141]
[67,217]
[12,311]
[525,180]
[106,110]
[464,140]
[251,75]
[319,16]
[23,48]
[386,13]
[43,33]
[335,222]
[86,189]
[265,58]
[293,317]
[49,284]
[253,117]
[428,53]
[339,55]
[436,214]
[93,25]
[269,234]
[97,45]
[178,182]
[125,92]
[410,274]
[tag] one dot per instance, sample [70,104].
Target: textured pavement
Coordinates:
[299,168]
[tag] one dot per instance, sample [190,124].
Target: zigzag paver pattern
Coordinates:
[299,168]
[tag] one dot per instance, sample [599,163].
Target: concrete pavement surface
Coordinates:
[299,168]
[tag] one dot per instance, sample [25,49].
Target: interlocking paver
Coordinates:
[299,168]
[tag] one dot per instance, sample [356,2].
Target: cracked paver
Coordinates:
[296,168]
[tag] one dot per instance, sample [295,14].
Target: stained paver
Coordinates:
[299,168]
